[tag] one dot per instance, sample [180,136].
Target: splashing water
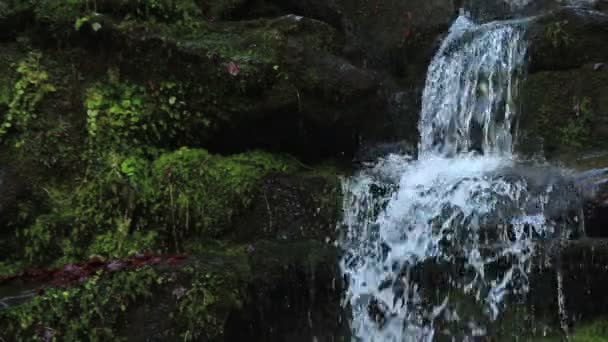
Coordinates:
[427,238]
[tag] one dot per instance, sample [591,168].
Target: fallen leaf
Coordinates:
[233,69]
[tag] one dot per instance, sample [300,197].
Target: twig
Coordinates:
[269,212]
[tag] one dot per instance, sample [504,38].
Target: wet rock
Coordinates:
[280,291]
[378,311]
[568,38]
[370,153]
[564,112]
[293,208]
[505,9]
[295,294]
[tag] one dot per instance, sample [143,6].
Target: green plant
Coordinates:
[8,269]
[203,310]
[92,312]
[575,132]
[594,332]
[201,193]
[557,34]
[121,241]
[117,116]
[33,84]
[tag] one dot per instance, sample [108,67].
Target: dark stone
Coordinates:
[568,38]
[293,208]
[563,112]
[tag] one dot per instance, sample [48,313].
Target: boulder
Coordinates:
[264,292]
[274,278]
[568,38]
[297,207]
[564,111]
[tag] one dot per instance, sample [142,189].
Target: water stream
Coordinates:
[438,244]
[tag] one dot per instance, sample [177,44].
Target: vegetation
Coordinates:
[595,332]
[120,135]
[31,87]
[93,311]
[575,133]
[557,35]
[133,205]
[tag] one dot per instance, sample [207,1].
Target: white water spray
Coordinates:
[427,238]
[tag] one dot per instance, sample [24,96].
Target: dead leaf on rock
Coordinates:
[233,69]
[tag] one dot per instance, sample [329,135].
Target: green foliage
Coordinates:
[200,193]
[204,308]
[131,205]
[91,312]
[28,92]
[557,34]
[95,25]
[125,117]
[576,132]
[45,235]
[122,242]
[176,114]
[596,332]
[58,11]
[181,12]
[117,116]
[8,269]
[103,205]
[51,145]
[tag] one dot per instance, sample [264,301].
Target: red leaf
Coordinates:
[233,69]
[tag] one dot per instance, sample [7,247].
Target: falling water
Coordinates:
[426,238]
[468,101]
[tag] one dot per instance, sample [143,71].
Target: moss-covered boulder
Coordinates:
[265,291]
[295,207]
[568,38]
[565,112]
[224,81]
[126,204]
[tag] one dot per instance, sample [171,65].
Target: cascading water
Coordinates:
[426,238]
[469,96]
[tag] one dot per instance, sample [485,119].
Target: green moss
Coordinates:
[202,193]
[595,332]
[131,205]
[575,133]
[77,213]
[562,111]
[94,311]
[70,11]
[557,34]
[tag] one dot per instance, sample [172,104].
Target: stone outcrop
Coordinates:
[563,109]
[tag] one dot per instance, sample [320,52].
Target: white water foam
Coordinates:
[457,225]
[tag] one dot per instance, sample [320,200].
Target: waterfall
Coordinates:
[437,245]
[471,85]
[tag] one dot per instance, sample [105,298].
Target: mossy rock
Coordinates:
[265,291]
[293,207]
[130,204]
[564,112]
[94,310]
[567,38]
